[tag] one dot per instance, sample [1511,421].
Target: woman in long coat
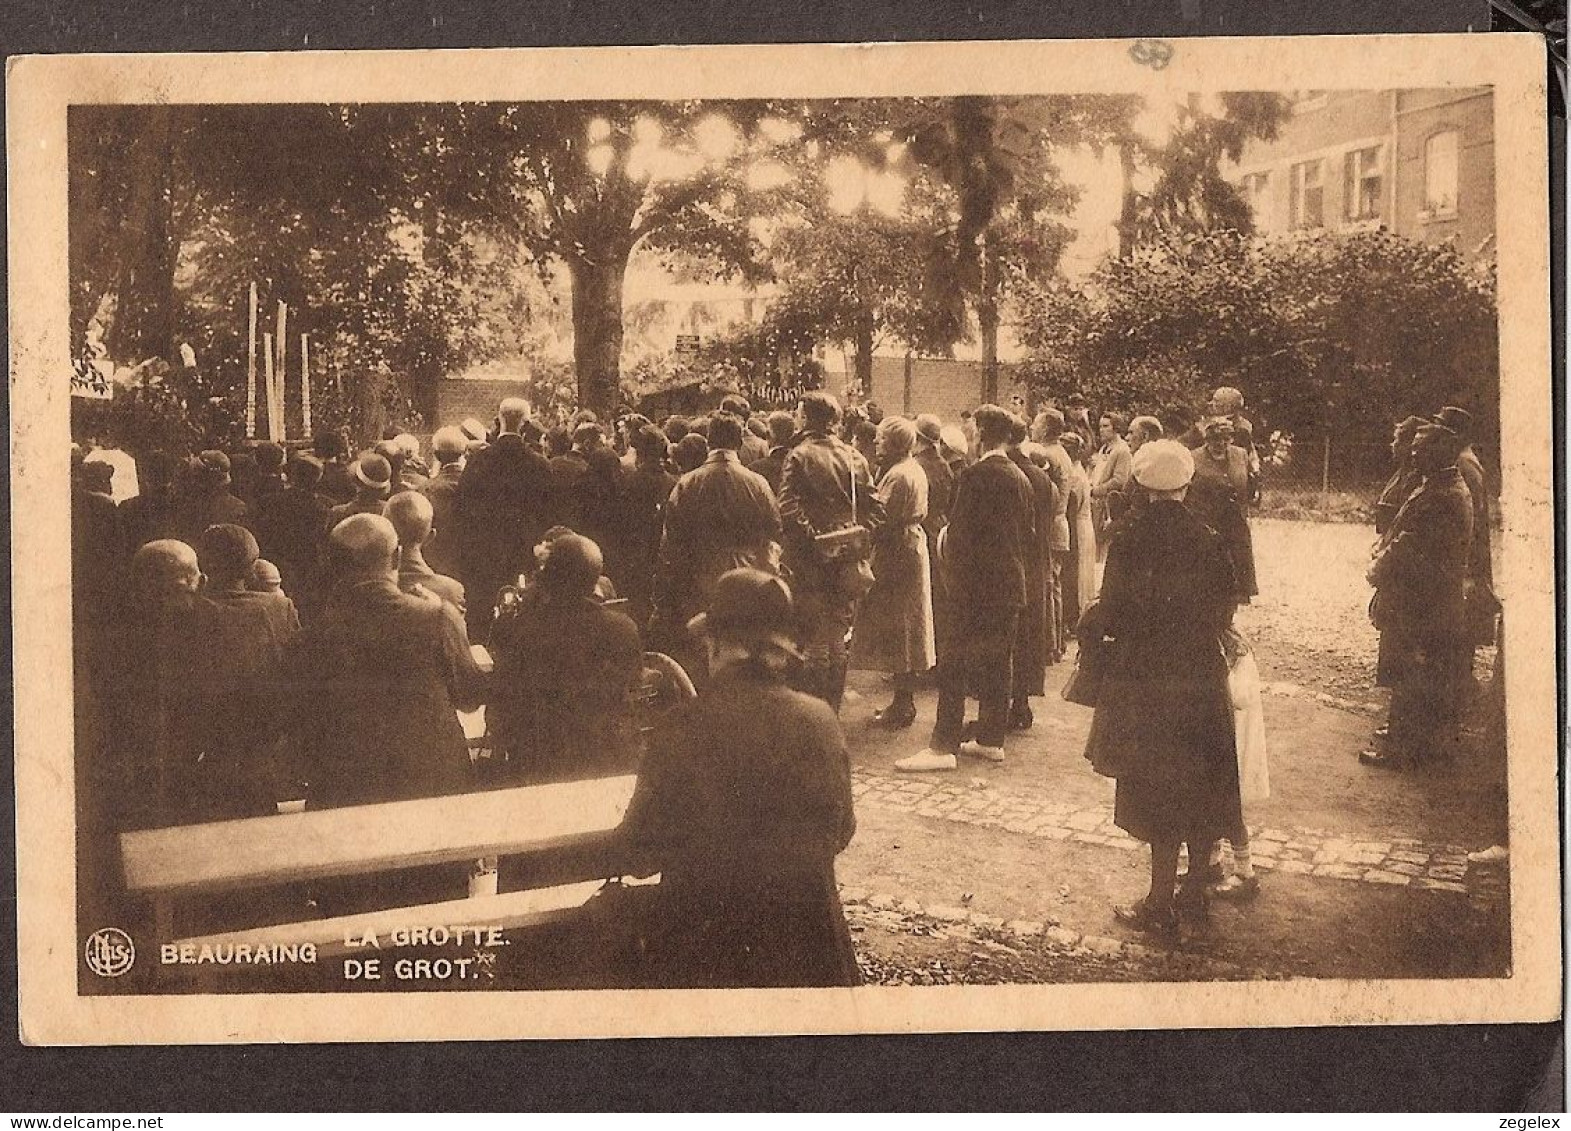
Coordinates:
[1219,496]
[1163,726]
[1079,576]
[743,802]
[894,626]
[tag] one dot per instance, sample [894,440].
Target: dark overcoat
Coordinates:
[1163,725]
[743,802]
[986,545]
[506,501]
[376,686]
[559,703]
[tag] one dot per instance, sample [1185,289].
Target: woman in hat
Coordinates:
[743,802]
[1163,726]
[894,625]
[1219,496]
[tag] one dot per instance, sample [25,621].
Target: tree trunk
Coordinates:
[864,355]
[144,313]
[597,332]
[1128,215]
[987,323]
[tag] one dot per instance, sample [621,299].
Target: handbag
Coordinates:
[1084,685]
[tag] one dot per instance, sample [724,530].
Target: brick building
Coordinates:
[1420,163]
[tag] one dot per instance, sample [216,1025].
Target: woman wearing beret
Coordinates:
[1163,726]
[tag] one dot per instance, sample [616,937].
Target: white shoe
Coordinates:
[926,762]
[974,749]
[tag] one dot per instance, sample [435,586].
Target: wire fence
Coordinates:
[1322,477]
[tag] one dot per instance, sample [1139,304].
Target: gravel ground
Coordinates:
[1310,623]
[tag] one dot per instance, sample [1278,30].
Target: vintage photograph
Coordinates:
[743,533]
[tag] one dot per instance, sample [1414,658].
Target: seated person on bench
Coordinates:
[742,804]
[188,699]
[412,516]
[564,667]
[376,683]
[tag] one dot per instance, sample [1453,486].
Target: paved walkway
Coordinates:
[1397,861]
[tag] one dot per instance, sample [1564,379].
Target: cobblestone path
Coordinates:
[1396,861]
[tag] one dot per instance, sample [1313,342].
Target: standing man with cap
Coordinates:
[719,517]
[742,804]
[504,503]
[1419,574]
[824,488]
[983,559]
[1163,727]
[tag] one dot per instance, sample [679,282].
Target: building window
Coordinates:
[1361,184]
[1256,190]
[1307,202]
[1440,174]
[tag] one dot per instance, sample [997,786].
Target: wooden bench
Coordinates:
[224,856]
[560,828]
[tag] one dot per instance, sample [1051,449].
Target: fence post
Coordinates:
[1325,474]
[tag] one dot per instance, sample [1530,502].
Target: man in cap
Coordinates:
[984,562]
[565,666]
[824,487]
[1419,574]
[207,499]
[505,501]
[378,680]
[719,517]
[449,447]
[269,474]
[410,512]
[413,474]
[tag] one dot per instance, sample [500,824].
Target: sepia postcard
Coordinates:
[731,540]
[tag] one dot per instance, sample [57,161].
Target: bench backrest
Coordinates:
[357,840]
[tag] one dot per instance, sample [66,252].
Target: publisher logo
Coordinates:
[109,952]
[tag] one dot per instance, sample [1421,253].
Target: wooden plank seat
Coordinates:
[357,840]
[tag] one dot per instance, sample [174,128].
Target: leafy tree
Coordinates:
[1341,331]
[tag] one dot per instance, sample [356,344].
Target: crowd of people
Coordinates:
[262,627]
